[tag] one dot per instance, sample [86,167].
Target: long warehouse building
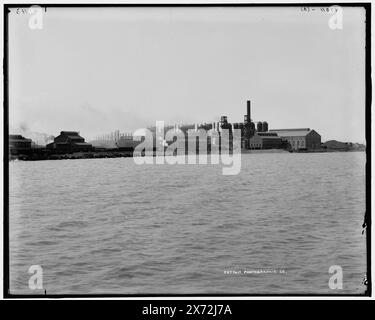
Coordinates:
[301,138]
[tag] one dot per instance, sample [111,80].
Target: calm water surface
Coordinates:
[111,226]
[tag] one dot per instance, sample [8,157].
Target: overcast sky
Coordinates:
[95,70]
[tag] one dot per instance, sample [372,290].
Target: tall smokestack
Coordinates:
[249,110]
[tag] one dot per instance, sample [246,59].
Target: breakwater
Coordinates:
[33,155]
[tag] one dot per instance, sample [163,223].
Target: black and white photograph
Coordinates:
[187,150]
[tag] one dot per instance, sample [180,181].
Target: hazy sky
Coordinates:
[99,69]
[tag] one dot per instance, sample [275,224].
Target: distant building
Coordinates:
[126,142]
[18,143]
[301,138]
[265,140]
[69,141]
[334,145]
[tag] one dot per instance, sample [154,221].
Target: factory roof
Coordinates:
[70,133]
[270,137]
[82,144]
[17,137]
[293,129]
[267,134]
[292,132]
[74,137]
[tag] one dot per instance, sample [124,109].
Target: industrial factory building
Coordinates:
[254,135]
[69,141]
[265,140]
[18,143]
[259,137]
[126,142]
[302,138]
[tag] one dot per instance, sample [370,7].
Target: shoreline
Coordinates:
[40,155]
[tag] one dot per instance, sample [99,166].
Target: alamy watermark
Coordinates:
[335,281]
[195,146]
[36,280]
